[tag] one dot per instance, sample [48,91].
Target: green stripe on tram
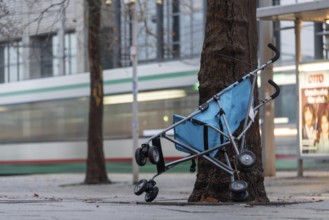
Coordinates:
[106,82]
[111,167]
[153,77]
[48,89]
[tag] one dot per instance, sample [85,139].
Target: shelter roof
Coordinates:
[316,11]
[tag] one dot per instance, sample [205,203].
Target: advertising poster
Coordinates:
[314,109]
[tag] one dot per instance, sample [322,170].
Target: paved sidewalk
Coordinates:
[62,196]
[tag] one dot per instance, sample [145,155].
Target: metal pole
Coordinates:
[298,25]
[116,58]
[61,42]
[159,33]
[191,27]
[265,37]
[205,6]
[134,59]
[175,28]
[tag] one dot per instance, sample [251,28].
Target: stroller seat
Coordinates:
[199,133]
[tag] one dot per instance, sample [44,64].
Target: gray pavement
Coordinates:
[62,196]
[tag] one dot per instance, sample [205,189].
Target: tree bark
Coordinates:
[96,168]
[229,52]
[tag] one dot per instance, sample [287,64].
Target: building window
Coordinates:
[45,57]
[41,57]
[70,53]
[11,62]
[167,30]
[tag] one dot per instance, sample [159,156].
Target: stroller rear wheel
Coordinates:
[239,197]
[239,191]
[246,160]
[140,187]
[140,157]
[238,186]
[151,194]
[153,154]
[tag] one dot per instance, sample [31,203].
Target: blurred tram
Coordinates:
[45,121]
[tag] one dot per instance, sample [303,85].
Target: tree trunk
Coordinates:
[230,46]
[96,169]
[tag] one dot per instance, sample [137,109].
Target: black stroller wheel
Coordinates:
[140,157]
[239,191]
[239,197]
[140,187]
[153,154]
[238,186]
[151,194]
[246,160]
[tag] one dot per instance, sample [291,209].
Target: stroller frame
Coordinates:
[244,158]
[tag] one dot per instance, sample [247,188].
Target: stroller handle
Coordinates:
[277,89]
[276,51]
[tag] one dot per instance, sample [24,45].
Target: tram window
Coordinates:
[282,108]
[67,119]
[118,117]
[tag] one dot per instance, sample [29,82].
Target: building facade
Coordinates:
[48,38]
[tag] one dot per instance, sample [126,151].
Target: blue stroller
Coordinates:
[210,129]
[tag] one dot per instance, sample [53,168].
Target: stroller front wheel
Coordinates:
[153,155]
[140,157]
[140,187]
[151,194]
